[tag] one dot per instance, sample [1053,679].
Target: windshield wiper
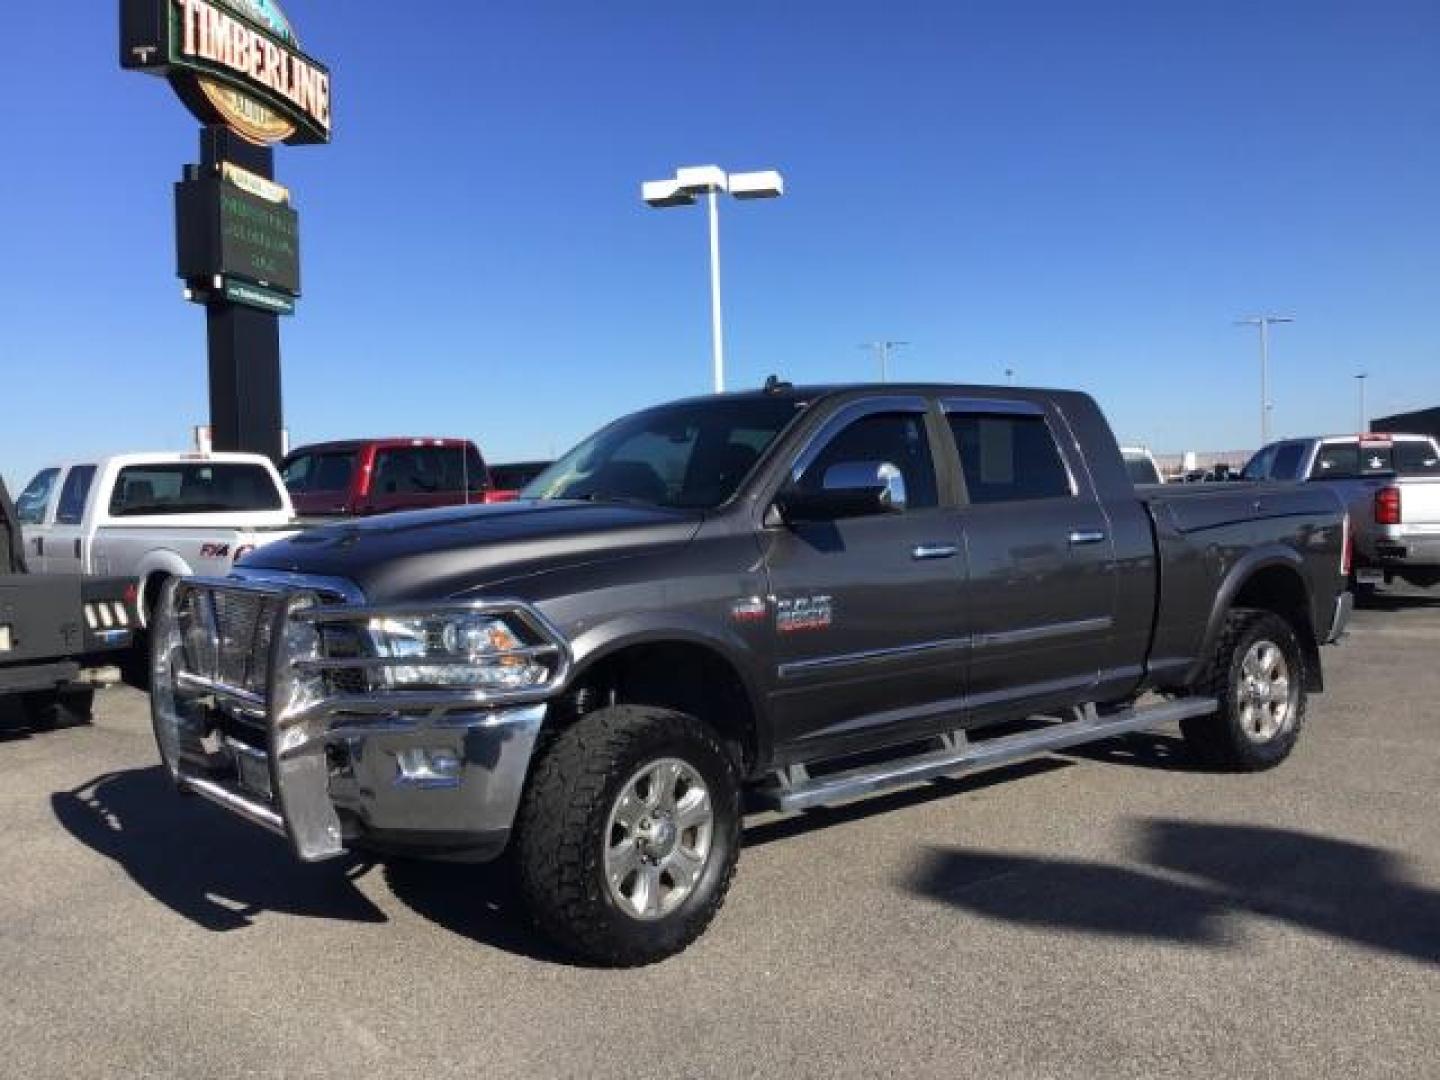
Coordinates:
[616,500]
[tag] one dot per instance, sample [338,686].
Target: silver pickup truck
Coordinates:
[1391,486]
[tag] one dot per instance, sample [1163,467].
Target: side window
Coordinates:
[1009,459]
[297,472]
[897,439]
[1287,461]
[30,507]
[73,494]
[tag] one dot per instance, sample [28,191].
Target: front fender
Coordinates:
[598,642]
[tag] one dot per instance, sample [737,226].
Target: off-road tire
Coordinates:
[1221,740]
[562,823]
[65,706]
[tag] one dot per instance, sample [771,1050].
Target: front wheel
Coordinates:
[628,835]
[1258,677]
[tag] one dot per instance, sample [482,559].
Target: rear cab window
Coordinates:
[193,488]
[1353,459]
[427,470]
[34,501]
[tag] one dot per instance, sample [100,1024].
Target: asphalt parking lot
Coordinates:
[1113,913]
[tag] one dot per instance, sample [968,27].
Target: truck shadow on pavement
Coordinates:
[1140,750]
[214,869]
[479,902]
[1195,876]
[1398,601]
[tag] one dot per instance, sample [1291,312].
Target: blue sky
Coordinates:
[1086,193]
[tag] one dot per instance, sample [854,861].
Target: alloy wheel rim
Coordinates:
[1265,696]
[658,838]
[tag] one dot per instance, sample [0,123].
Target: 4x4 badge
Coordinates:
[797,613]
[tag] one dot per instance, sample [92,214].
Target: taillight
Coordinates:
[1387,506]
[1347,548]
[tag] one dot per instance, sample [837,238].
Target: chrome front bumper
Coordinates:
[333,774]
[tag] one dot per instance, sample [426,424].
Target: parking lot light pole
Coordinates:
[882,351]
[712,181]
[1264,322]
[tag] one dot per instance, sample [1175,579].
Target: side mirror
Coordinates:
[849,489]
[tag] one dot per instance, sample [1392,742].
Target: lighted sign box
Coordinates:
[233,62]
[222,230]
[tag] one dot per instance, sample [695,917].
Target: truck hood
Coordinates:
[425,554]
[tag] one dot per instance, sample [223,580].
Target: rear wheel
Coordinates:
[628,835]
[1258,677]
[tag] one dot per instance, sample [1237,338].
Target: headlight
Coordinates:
[461,650]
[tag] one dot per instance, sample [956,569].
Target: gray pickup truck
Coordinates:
[767,600]
[1389,484]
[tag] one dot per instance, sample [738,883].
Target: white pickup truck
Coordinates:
[1390,483]
[152,516]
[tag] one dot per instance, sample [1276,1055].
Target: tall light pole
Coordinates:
[1360,385]
[712,181]
[1264,322]
[882,351]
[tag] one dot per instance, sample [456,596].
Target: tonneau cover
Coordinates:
[1195,507]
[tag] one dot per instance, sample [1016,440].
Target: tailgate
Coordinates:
[1419,504]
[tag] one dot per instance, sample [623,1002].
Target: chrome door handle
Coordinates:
[1086,536]
[934,551]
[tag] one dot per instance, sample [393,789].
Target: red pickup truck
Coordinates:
[355,477]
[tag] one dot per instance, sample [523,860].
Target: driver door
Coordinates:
[868,628]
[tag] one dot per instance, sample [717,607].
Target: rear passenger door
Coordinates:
[1040,596]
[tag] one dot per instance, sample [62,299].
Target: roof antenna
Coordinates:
[775,385]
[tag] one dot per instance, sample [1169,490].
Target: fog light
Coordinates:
[429,766]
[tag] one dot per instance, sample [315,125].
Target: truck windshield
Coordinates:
[192,488]
[692,455]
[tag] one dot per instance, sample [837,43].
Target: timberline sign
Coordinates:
[233,62]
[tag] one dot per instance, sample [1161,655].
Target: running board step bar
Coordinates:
[795,789]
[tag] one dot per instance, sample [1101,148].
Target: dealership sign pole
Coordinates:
[236,64]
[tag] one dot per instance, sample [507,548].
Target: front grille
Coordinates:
[226,635]
[346,641]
